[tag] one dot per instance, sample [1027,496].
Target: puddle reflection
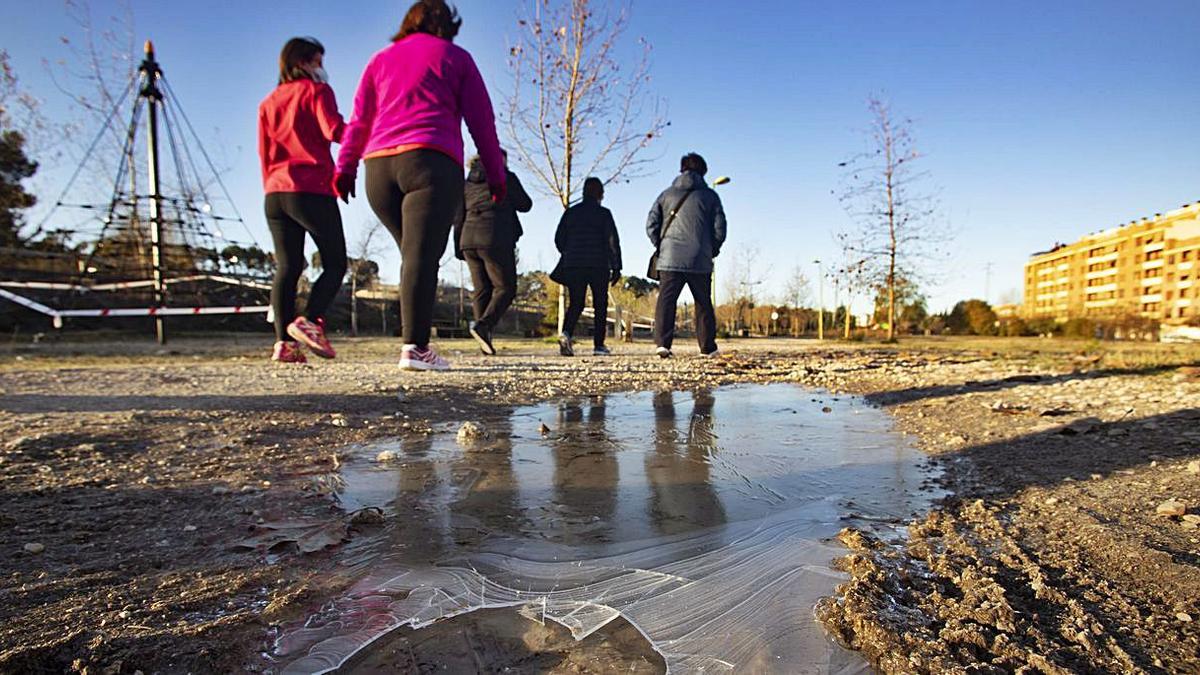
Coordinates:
[702,518]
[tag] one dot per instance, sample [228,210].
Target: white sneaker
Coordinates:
[714,354]
[414,358]
[663,353]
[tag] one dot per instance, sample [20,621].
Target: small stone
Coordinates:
[1096,476]
[826,410]
[1171,509]
[340,421]
[189,528]
[34,547]
[1050,501]
[1191,518]
[221,490]
[543,429]
[1184,617]
[469,432]
[386,456]
[1193,467]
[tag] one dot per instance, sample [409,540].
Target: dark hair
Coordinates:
[296,53]
[593,188]
[693,162]
[434,17]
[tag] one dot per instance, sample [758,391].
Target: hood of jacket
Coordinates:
[475,171]
[689,180]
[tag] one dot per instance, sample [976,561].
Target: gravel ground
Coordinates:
[130,473]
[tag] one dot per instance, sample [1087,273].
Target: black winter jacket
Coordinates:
[587,238]
[484,225]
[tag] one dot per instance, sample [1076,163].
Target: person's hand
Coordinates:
[499,192]
[615,278]
[343,185]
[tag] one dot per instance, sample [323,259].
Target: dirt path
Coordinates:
[130,474]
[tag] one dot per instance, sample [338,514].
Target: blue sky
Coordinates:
[1040,121]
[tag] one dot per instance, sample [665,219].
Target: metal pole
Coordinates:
[821,301]
[150,91]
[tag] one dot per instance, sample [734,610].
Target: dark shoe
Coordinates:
[483,335]
[663,353]
[565,348]
[601,350]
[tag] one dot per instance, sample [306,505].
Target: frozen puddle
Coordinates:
[703,519]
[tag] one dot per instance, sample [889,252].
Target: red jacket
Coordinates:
[296,125]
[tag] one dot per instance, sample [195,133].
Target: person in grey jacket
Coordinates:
[686,251]
[485,237]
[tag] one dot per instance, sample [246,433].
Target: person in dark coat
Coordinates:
[591,258]
[485,236]
[686,252]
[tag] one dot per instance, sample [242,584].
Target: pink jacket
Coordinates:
[415,94]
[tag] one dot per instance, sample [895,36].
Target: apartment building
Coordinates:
[1147,268]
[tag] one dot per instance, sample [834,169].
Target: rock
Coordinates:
[1079,427]
[386,456]
[189,528]
[221,490]
[826,410]
[1191,518]
[340,421]
[1184,617]
[543,429]
[1171,509]
[34,547]
[469,433]
[1193,467]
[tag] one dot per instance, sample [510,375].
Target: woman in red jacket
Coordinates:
[296,125]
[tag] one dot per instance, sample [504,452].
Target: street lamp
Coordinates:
[821,300]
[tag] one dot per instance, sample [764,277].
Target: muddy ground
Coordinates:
[129,474]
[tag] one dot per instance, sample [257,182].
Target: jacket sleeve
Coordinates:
[262,141]
[517,196]
[718,226]
[655,221]
[614,242]
[481,120]
[330,120]
[358,131]
[560,235]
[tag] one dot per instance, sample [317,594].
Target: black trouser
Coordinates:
[289,216]
[670,286]
[494,275]
[577,288]
[416,195]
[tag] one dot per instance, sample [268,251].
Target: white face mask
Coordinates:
[319,75]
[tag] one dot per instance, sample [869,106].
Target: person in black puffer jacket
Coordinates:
[485,236]
[591,258]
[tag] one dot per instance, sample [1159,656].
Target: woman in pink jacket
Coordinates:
[407,124]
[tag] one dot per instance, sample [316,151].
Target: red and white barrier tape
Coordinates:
[58,314]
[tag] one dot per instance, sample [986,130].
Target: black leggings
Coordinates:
[416,195]
[577,288]
[289,216]
[494,275]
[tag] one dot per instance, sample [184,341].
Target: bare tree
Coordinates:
[361,267]
[575,108]
[743,276]
[897,232]
[96,71]
[797,292]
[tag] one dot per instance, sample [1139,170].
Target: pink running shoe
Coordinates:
[415,358]
[289,352]
[313,336]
